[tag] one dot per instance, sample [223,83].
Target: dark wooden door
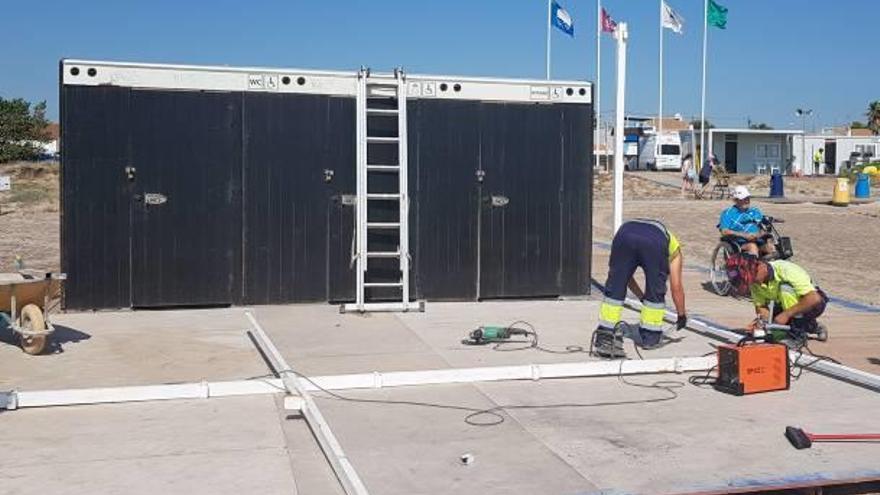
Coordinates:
[520,222]
[186,210]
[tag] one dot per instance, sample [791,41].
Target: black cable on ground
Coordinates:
[802,348]
[533,343]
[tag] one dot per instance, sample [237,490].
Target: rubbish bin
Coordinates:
[776,186]
[841,192]
[863,186]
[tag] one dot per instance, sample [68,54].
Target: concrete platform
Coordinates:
[561,436]
[134,348]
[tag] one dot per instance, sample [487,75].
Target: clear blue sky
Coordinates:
[775,56]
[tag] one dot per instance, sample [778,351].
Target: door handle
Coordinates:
[499,201]
[154,199]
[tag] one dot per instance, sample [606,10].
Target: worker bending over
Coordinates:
[649,245]
[796,300]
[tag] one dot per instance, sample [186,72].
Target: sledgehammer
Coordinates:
[801,439]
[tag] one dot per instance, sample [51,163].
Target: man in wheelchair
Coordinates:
[742,225]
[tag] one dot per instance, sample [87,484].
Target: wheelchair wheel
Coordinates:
[718,270]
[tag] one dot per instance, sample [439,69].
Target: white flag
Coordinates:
[671,19]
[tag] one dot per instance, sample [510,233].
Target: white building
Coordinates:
[840,152]
[754,151]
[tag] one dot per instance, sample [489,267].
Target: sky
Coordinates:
[775,55]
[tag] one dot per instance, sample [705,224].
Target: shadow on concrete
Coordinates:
[874,361]
[61,336]
[64,335]
[707,286]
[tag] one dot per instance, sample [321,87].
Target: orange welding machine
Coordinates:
[750,367]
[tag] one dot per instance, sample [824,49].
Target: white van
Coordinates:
[660,154]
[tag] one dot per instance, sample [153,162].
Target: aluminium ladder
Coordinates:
[375,89]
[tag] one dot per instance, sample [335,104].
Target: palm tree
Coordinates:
[873,115]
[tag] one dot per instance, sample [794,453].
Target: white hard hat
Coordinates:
[741,192]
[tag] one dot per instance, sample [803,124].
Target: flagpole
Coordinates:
[549,13]
[600,134]
[622,35]
[703,151]
[660,109]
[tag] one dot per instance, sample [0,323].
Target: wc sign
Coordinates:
[259,82]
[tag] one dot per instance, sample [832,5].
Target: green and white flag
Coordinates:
[717,15]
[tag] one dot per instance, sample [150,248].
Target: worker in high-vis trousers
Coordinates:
[649,245]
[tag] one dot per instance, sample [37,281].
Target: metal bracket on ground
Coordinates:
[8,400]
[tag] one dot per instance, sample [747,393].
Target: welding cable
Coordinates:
[533,342]
[804,348]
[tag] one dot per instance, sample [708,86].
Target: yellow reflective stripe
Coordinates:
[674,245]
[610,314]
[652,318]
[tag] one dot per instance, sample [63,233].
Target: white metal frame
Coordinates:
[335,83]
[355,381]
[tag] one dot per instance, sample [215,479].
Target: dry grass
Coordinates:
[34,187]
[29,224]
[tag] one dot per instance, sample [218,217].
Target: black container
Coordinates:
[181,189]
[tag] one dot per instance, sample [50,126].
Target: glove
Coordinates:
[681,322]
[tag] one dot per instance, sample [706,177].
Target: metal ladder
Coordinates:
[375,88]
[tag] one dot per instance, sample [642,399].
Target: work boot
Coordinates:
[650,339]
[607,343]
[646,339]
[811,327]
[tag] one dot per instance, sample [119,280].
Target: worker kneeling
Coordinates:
[785,286]
[649,245]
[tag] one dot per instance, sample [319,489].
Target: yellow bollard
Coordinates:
[841,192]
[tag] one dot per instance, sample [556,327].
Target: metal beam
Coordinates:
[343,468]
[206,390]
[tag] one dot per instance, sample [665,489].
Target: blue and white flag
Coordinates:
[560,18]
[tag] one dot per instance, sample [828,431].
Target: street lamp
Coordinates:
[803,114]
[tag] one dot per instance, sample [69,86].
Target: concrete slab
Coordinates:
[231,445]
[564,329]
[701,439]
[318,340]
[420,447]
[136,348]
